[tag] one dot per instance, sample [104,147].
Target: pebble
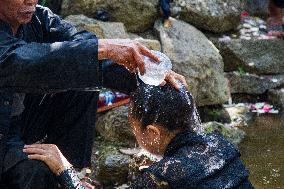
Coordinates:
[262,27]
[254,29]
[248,26]
[255,34]
[245,37]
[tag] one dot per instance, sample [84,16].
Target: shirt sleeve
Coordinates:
[70,180]
[65,60]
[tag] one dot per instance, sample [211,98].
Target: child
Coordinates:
[165,121]
[274,21]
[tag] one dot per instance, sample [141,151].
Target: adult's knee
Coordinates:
[30,174]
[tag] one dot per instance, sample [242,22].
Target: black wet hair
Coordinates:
[164,106]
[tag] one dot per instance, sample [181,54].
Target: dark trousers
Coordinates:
[29,174]
[66,119]
[279,3]
[165,6]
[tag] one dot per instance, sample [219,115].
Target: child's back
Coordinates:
[164,121]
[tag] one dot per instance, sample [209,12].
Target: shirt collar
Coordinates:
[5,27]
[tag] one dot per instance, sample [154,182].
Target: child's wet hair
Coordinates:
[164,106]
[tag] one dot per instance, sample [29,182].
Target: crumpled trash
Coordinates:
[263,107]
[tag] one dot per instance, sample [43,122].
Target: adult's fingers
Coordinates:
[139,61]
[163,83]
[145,51]
[37,157]
[34,151]
[41,146]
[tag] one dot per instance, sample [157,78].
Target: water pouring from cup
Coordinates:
[156,72]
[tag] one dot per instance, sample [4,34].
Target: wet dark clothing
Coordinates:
[199,162]
[279,3]
[48,56]
[165,6]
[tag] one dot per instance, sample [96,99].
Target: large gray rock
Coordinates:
[150,43]
[136,15]
[253,84]
[109,165]
[107,30]
[113,126]
[195,57]
[213,15]
[254,56]
[114,170]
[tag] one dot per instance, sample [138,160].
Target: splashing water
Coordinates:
[156,72]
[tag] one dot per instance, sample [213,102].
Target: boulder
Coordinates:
[113,126]
[253,84]
[114,170]
[276,96]
[195,57]
[150,43]
[233,134]
[136,15]
[212,15]
[110,166]
[254,56]
[108,30]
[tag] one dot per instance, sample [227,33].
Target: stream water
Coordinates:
[263,151]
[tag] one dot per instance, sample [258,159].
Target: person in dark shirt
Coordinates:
[50,77]
[166,123]
[275,18]
[166,9]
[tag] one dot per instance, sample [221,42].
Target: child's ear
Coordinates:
[153,131]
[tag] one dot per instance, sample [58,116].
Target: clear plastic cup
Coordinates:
[156,72]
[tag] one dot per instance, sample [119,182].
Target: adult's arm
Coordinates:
[64,59]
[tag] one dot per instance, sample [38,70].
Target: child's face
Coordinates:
[145,137]
[153,138]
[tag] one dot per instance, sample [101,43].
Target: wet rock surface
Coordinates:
[253,84]
[212,15]
[136,15]
[195,57]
